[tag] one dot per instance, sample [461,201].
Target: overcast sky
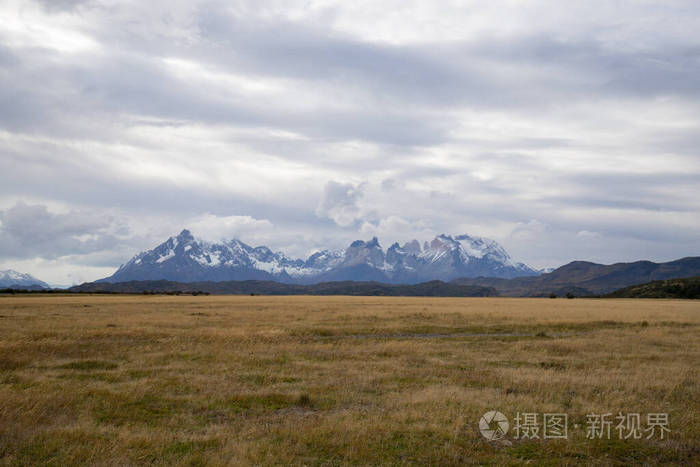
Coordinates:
[563,130]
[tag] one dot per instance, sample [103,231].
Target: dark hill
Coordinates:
[425,289]
[584,278]
[688,288]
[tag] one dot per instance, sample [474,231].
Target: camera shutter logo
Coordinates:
[493,425]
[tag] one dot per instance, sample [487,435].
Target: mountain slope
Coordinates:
[17,280]
[585,278]
[186,259]
[688,288]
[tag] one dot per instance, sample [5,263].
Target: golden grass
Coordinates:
[338,380]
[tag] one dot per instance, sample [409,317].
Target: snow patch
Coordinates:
[166,257]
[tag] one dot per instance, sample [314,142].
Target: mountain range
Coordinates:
[455,266]
[183,258]
[16,280]
[579,278]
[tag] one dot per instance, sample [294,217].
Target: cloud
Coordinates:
[388,184]
[217,228]
[32,230]
[587,234]
[61,5]
[397,229]
[309,124]
[340,203]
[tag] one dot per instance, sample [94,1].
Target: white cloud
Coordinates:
[27,25]
[216,228]
[340,202]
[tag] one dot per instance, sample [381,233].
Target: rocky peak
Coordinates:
[412,247]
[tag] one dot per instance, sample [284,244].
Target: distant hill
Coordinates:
[688,288]
[583,278]
[425,289]
[11,279]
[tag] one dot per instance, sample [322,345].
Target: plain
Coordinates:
[105,379]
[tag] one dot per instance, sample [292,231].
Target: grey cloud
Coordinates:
[458,74]
[632,191]
[130,84]
[61,5]
[378,112]
[32,230]
[8,57]
[426,77]
[95,187]
[388,184]
[589,67]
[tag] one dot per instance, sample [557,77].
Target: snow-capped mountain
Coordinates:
[186,259]
[13,279]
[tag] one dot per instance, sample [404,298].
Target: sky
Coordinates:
[563,130]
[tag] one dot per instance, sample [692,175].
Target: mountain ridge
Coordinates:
[183,258]
[10,278]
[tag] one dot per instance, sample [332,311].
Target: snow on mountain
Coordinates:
[369,253]
[186,259]
[14,279]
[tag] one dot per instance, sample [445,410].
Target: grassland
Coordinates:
[338,380]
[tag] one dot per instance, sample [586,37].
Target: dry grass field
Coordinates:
[181,380]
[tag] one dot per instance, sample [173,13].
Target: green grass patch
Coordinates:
[91,376]
[89,365]
[120,409]
[269,402]
[58,448]
[139,374]
[10,364]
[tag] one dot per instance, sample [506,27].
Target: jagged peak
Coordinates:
[319,253]
[412,247]
[373,243]
[440,242]
[238,245]
[481,246]
[185,236]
